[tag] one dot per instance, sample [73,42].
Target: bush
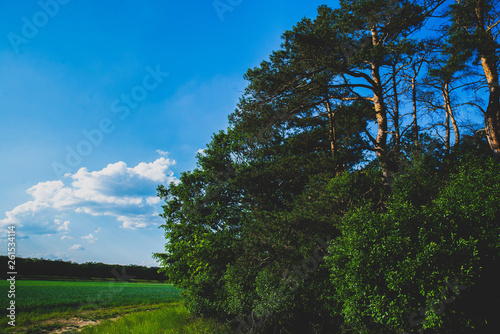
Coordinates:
[389,266]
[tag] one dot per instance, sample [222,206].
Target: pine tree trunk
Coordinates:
[447,133]
[396,109]
[380,113]
[332,133]
[492,115]
[414,112]
[455,128]
[489,60]
[449,116]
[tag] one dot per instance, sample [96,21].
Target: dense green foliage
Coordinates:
[408,252]
[324,209]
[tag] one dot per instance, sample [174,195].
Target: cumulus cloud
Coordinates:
[125,193]
[77,247]
[162,153]
[62,226]
[66,237]
[90,238]
[153,200]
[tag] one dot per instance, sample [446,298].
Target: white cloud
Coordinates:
[201,151]
[133,222]
[77,247]
[98,230]
[118,191]
[66,237]
[153,200]
[90,238]
[62,226]
[162,153]
[155,171]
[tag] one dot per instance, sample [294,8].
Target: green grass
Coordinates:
[173,318]
[43,306]
[47,295]
[38,301]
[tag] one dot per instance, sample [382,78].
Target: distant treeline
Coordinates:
[31,267]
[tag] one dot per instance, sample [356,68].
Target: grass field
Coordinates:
[111,307]
[173,318]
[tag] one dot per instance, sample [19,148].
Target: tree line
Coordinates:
[33,267]
[356,189]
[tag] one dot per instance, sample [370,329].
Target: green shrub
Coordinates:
[388,266]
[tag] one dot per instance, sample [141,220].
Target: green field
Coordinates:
[44,306]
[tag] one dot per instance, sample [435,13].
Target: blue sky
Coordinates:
[101,101]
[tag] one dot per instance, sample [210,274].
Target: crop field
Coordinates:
[46,306]
[46,296]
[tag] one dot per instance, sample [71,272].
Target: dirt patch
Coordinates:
[74,324]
